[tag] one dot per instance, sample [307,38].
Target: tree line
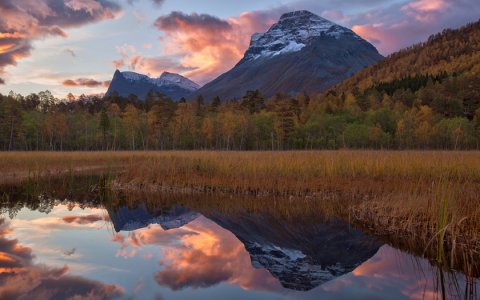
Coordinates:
[443,114]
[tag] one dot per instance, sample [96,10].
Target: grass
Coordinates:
[299,172]
[23,166]
[428,197]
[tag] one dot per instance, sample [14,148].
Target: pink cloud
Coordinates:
[24,21]
[118,64]
[425,10]
[22,278]
[198,255]
[85,219]
[394,27]
[85,82]
[208,45]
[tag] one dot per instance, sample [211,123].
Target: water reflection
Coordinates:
[127,219]
[301,255]
[22,278]
[107,248]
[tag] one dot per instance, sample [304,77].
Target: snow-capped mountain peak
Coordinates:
[172,78]
[292,33]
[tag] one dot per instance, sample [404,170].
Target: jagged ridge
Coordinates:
[292,33]
[173,85]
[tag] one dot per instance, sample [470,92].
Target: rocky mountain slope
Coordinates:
[173,85]
[303,52]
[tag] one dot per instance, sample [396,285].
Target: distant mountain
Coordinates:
[173,85]
[303,52]
[129,219]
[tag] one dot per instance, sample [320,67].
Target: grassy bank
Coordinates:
[295,169]
[298,172]
[16,167]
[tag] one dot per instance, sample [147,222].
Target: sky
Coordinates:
[76,45]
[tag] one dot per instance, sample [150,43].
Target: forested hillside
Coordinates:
[423,97]
[454,52]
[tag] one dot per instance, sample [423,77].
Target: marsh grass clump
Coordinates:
[298,172]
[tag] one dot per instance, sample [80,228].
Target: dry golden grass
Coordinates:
[263,169]
[19,166]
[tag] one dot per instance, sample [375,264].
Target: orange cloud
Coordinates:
[85,82]
[134,61]
[208,45]
[86,219]
[27,20]
[198,255]
[21,278]
[118,64]
[394,266]
[425,10]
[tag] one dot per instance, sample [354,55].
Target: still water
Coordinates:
[75,245]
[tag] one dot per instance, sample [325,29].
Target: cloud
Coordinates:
[156,65]
[90,6]
[69,82]
[158,2]
[118,63]
[21,278]
[125,51]
[155,2]
[134,61]
[139,16]
[28,20]
[152,66]
[85,82]
[397,26]
[211,256]
[70,52]
[86,219]
[207,45]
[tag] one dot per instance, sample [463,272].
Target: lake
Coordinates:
[64,240]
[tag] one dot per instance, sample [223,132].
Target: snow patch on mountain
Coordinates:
[166,79]
[132,76]
[292,267]
[292,33]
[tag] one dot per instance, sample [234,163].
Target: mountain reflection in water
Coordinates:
[52,249]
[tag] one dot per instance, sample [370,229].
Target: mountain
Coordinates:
[455,52]
[128,219]
[303,52]
[173,85]
[301,255]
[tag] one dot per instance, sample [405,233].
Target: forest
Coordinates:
[424,97]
